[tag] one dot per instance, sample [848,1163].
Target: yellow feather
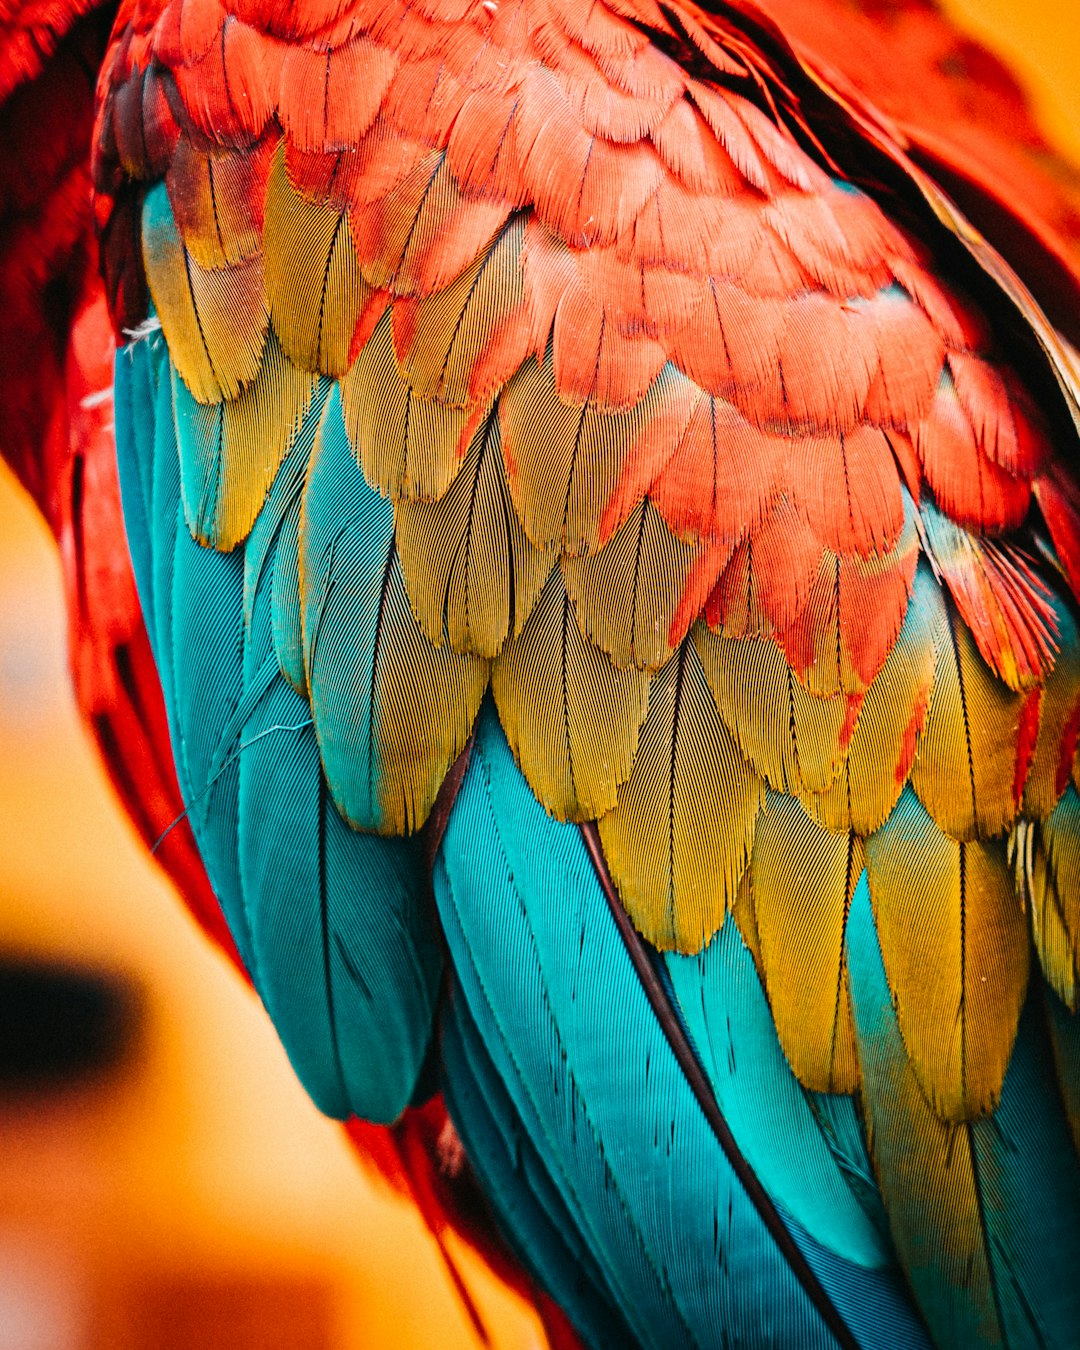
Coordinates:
[1054,883]
[572,719]
[966,762]
[627,593]
[742,911]
[214,319]
[427,699]
[879,755]
[408,446]
[1050,928]
[955,946]
[454,327]
[678,840]
[791,737]
[563,462]
[313,284]
[472,575]
[802,879]
[244,441]
[927,1170]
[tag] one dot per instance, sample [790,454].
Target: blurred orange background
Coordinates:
[196,1198]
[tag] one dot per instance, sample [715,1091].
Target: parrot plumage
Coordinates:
[602,492]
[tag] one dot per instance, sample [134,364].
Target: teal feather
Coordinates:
[336,928]
[725,1010]
[287,621]
[983,1213]
[719,996]
[587,1066]
[347,559]
[528,1207]
[134,388]
[841,1126]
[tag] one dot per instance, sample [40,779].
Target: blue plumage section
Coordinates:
[590,1074]
[528,1205]
[723,1007]
[347,556]
[336,928]
[986,1210]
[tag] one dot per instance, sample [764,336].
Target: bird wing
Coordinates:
[620,362]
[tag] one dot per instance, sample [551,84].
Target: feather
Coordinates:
[329,98]
[229,92]
[451,330]
[471,573]
[571,717]
[853,613]
[728,1017]
[626,595]
[684,1254]
[544,1231]
[563,461]
[217,201]
[335,926]
[408,446]
[990,1266]
[230,452]
[391,711]
[849,490]
[801,882]
[1000,597]
[272,547]
[1050,875]
[965,769]
[972,488]
[347,953]
[425,232]
[890,718]
[214,319]
[314,289]
[794,740]
[1058,719]
[678,840]
[949,908]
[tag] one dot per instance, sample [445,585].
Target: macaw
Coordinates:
[596,637]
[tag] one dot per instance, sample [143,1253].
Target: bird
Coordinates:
[572,526]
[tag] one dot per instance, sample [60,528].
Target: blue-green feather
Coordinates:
[725,1010]
[527,1204]
[335,927]
[588,1069]
[1015,1170]
[346,558]
[719,997]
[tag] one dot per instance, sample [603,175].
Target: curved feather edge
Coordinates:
[335,927]
[530,1211]
[995,1264]
[541,962]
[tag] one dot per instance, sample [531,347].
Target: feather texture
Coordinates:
[510,879]
[987,1271]
[334,925]
[566,342]
[391,711]
[677,841]
[949,908]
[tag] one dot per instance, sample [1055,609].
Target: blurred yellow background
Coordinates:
[202,1179]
